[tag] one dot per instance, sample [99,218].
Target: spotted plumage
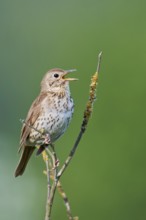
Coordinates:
[49,115]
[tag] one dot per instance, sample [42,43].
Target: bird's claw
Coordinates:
[47,139]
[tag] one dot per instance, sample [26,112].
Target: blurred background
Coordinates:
[106,179]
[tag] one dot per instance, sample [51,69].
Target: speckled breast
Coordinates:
[54,119]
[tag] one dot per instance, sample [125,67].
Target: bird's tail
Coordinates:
[26,154]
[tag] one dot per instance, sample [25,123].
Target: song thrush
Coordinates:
[48,117]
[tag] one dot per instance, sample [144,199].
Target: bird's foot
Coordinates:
[47,139]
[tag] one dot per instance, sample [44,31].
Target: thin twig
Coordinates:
[66,163]
[57,184]
[55,161]
[51,198]
[64,197]
[52,173]
[48,188]
[99,62]
[51,155]
[47,172]
[66,201]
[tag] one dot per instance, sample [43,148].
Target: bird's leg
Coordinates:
[44,137]
[46,140]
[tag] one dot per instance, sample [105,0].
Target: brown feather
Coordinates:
[32,116]
[24,160]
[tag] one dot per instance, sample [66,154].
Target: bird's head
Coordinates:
[56,79]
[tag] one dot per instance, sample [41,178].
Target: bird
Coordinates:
[48,116]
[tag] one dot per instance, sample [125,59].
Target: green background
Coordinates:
[106,179]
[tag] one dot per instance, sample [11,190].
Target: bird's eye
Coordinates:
[56,75]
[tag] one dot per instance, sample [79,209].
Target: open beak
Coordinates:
[69,79]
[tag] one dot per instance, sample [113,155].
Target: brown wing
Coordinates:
[32,116]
